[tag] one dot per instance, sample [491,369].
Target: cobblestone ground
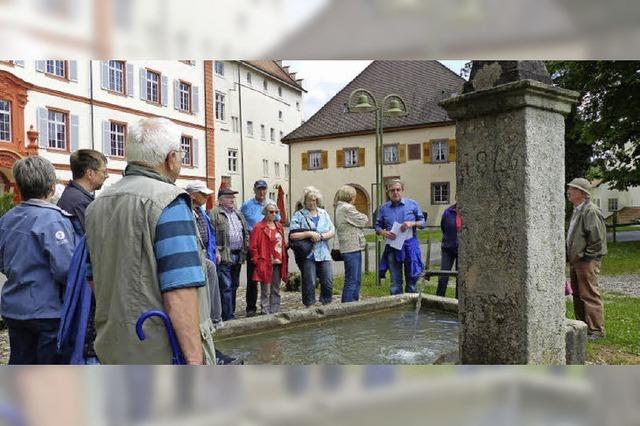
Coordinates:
[291,300]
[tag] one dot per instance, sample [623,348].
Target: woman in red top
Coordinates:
[269,253]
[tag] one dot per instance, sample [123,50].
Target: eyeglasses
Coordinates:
[103,171]
[272,211]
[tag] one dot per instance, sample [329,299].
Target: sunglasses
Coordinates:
[272,211]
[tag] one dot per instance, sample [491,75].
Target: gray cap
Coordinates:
[582,184]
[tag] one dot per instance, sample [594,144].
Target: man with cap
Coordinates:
[586,244]
[252,212]
[232,238]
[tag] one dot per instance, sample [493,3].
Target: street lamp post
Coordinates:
[392,105]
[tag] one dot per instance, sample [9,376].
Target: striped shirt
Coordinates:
[177,249]
[236,238]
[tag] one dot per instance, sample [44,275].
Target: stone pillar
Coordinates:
[510,189]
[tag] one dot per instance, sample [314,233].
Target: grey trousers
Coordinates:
[214,289]
[270,293]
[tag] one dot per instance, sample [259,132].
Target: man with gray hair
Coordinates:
[37,241]
[145,253]
[586,245]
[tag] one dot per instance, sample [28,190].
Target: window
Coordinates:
[186,144]
[117,137]
[597,201]
[219,68]
[249,128]
[57,127]
[185,96]
[280,115]
[116,76]
[276,168]
[351,157]
[315,160]
[265,85]
[272,134]
[415,151]
[298,106]
[220,106]
[281,135]
[263,132]
[265,167]
[272,195]
[390,154]
[280,91]
[612,204]
[286,171]
[232,160]
[235,124]
[56,68]
[439,150]
[5,121]
[440,193]
[153,87]
[248,78]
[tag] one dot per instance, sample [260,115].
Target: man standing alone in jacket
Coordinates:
[586,245]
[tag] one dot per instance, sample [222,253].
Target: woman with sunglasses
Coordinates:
[268,249]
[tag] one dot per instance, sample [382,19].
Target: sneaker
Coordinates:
[595,335]
[222,359]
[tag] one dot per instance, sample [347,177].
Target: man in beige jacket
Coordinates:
[586,245]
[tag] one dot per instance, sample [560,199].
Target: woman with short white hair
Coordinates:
[313,223]
[349,224]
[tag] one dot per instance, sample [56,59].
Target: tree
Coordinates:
[6,202]
[603,130]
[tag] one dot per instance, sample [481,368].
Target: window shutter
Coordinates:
[104,75]
[143,84]
[195,152]
[19,63]
[73,70]
[43,127]
[340,158]
[41,66]
[361,157]
[324,155]
[165,90]
[195,100]
[305,161]
[452,150]
[176,94]
[402,153]
[130,80]
[106,137]
[426,152]
[73,119]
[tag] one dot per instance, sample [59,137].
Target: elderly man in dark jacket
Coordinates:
[450,223]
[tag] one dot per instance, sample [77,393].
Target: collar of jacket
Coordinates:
[135,169]
[46,205]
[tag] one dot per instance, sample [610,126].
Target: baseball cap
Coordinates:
[226,191]
[198,186]
[260,183]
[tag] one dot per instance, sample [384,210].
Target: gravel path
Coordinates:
[625,284]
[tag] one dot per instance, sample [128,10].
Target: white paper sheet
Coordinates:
[401,237]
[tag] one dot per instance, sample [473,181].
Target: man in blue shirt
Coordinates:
[37,240]
[252,212]
[406,212]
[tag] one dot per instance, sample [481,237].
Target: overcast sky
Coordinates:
[323,79]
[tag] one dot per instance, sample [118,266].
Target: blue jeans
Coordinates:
[449,257]
[395,269]
[310,270]
[229,281]
[352,276]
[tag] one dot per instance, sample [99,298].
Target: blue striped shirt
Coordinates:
[177,249]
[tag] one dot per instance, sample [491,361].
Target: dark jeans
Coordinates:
[252,288]
[322,270]
[449,257]
[33,341]
[352,276]
[395,269]
[229,281]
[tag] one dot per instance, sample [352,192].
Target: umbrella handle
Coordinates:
[177,358]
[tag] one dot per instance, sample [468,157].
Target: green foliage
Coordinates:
[604,129]
[6,202]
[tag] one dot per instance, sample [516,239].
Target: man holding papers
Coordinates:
[397,221]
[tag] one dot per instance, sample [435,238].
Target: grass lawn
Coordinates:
[434,234]
[622,258]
